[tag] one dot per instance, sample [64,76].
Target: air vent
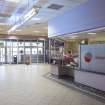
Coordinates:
[55,6]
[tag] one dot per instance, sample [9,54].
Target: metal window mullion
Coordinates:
[5,51]
[37,53]
[31,51]
[11,51]
[2,55]
[17,51]
[24,52]
[49,51]
[44,51]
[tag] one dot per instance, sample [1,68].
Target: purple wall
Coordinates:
[86,16]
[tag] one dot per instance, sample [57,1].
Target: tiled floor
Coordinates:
[26,85]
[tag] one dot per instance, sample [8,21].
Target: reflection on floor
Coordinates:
[26,85]
[70,83]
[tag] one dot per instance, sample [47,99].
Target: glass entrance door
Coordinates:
[27,54]
[2,52]
[15,51]
[9,52]
[21,52]
[34,55]
[2,55]
[40,52]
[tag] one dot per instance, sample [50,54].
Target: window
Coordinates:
[40,44]
[34,50]
[27,51]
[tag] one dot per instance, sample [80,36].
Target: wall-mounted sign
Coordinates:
[92,58]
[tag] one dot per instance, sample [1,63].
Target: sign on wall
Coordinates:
[92,58]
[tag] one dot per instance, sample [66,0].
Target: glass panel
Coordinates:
[9,55]
[34,44]
[27,51]
[40,55]
[9,52]
[40,44]
[2,43]
[9,43]
[21,55]
[2,55]
[34,55]
[27,43]
[21,43]
[34,50]
[21,50]
[15,44]
[15,51]
[40,51]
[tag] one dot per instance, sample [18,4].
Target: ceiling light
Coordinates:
[3,24]
[46,28]
[12,37]
[1,29]
[25,18]
[37,31]
[15,1]
[41,38]
[73,36]
[14,28]
[92,33]
[18,30]
[36,19]
[83,42]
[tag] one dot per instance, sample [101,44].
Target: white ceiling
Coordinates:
[94,35]
[11,10]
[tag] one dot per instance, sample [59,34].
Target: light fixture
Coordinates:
[92,33]
[25,18]
[36,19]
[83,42]
[73,37]
[29,15]
[14,28]
[1,29]
[4,24]
[15,1]
[41,38]
[12,37]
[18,30]
[37,31]
[46,28]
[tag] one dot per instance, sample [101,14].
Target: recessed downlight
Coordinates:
[36,19]
[15,1]
[37,31]
[18,30]
[92,33]
[73,36]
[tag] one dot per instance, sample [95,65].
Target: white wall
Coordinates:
[91,79]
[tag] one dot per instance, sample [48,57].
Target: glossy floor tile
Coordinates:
[26,85]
